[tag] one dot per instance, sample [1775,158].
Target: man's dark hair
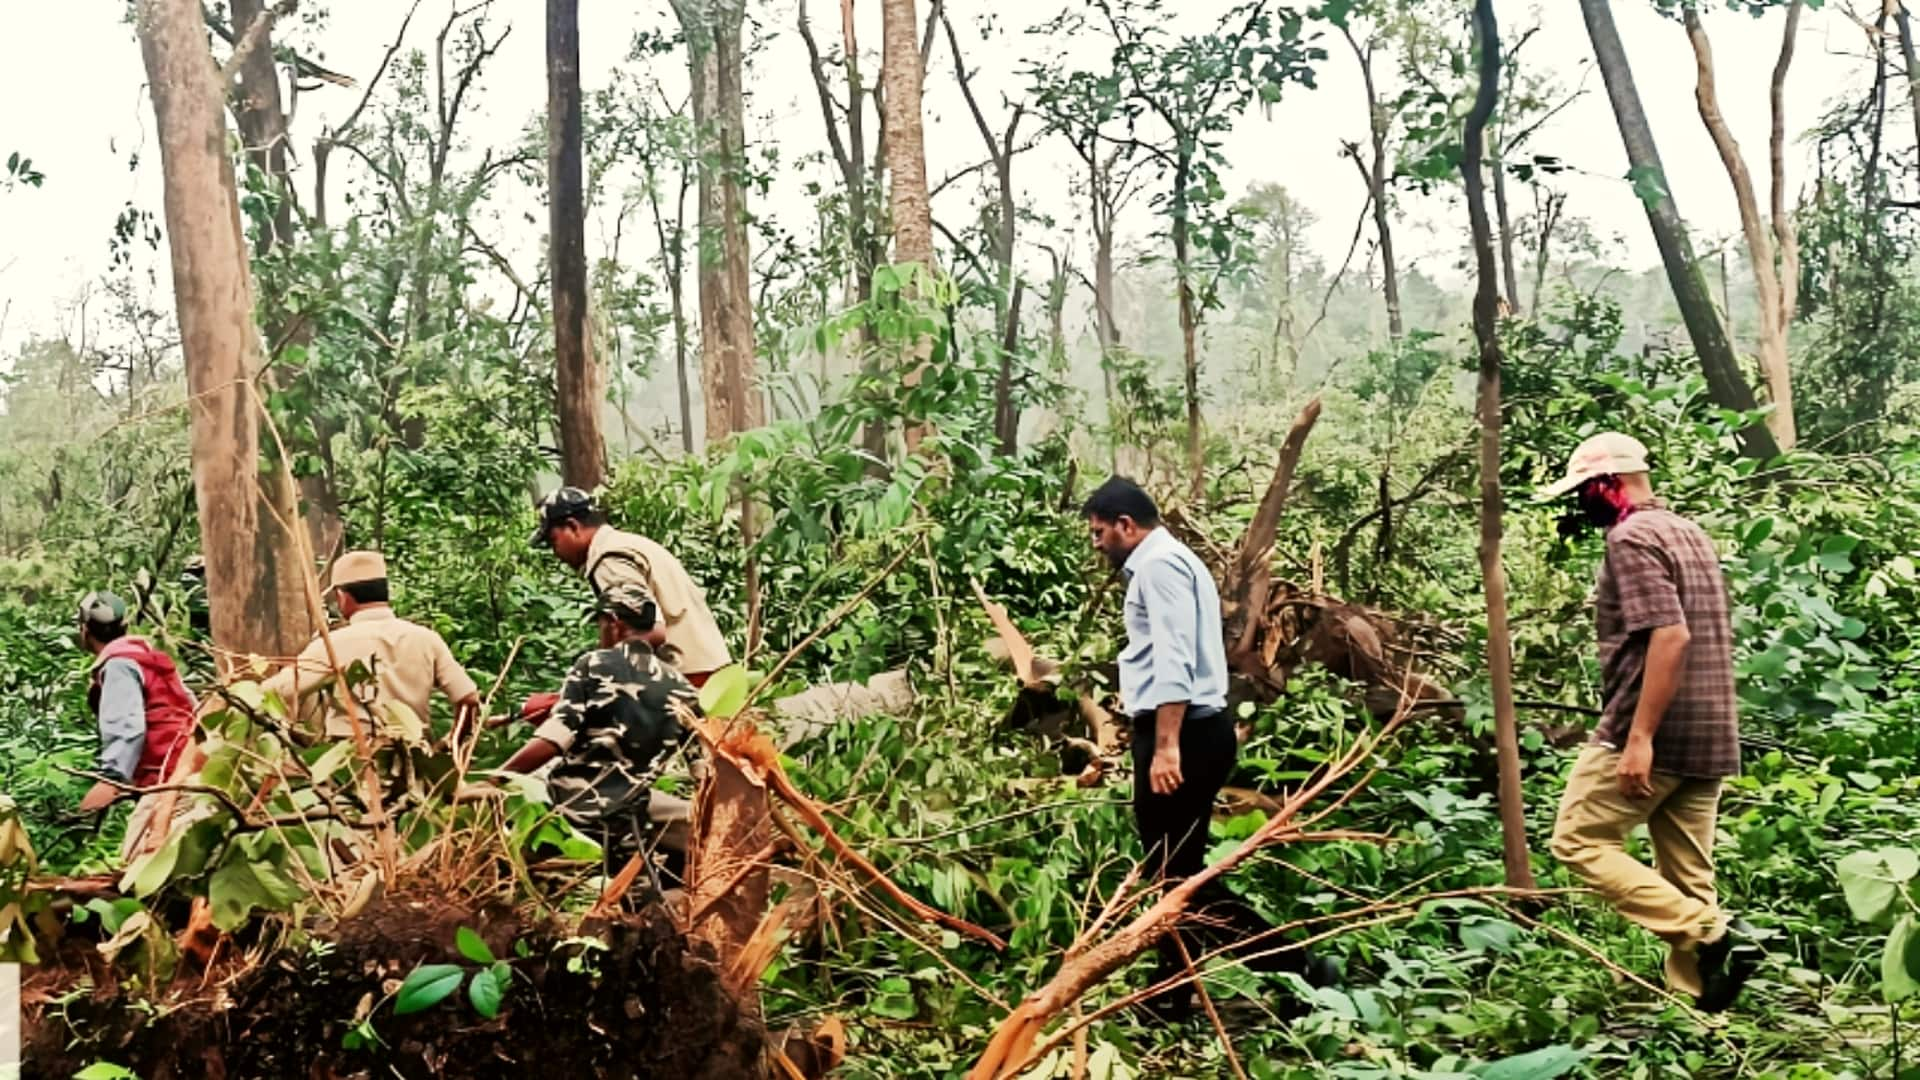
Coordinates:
[106,632]
[367,592]
[1120,497]
[592,519]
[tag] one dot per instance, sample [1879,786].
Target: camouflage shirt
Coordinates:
[616,724]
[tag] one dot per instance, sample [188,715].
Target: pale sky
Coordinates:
[73,77]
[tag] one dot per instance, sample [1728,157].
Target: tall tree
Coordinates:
[1725,382]
[1486,328]
[1176,95]
[728,367]
[1283,223]
[1003,219]
[253,566]
[1375,172]
[1903,17]
[583,454]
[902,74]
[1775,258]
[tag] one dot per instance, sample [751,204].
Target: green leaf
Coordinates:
[105,1070]
[428,985]
[242,884]
[1899,975]
[1489,935]
[1545,1063]
[1836,554]
[485,991]
[894,1001]
[726,692]
[471,946]
[1870,882]
[145,875]
[1648,185]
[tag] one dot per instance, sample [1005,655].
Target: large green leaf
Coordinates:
[1872,880]
[894,1001]
[1900,966]
[243,884]
[726,692]
[1545,1063]
[487,988]
[428,985]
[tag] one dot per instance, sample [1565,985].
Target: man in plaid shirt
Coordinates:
[1669,728]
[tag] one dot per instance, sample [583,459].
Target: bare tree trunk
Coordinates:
[1509,273]
[255,576]
[728,374]
[1786,239]
[1375,175]
[1486,303]
[583,454]
[1725,383]
[1189,327]
[901,76]
[1766,275]
[1904,18]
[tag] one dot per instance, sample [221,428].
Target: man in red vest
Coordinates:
[145,712]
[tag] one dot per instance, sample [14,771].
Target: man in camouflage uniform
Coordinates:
[617,722]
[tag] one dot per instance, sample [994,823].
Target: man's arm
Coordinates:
[1666,659]
[1169,596]
[555,734]
[123,731]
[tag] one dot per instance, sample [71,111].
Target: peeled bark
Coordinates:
[583,454]
[255,587]
[1760,252]
[1725,384]
[1486,328]
[728,368]
[912,208]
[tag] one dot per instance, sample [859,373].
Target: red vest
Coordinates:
[170,706]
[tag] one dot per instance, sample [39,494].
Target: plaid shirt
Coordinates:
[1662,570]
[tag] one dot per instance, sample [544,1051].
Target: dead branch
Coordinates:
[1252,569]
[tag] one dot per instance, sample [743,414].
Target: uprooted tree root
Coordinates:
[651,1003]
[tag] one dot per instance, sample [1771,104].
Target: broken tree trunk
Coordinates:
[1252,572]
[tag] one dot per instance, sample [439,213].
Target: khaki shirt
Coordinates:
[407,661]
[615,557]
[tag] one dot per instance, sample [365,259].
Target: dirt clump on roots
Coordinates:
[650,1003]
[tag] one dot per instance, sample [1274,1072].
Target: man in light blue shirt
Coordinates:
[1173,680]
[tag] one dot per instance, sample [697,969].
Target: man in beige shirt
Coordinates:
[579,535]
[406,662]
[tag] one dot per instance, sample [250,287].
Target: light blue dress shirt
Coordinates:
[1175,649]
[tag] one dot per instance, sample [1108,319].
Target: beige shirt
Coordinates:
[407,661]
[615,557]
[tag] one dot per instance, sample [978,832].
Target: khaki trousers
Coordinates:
[1674,899]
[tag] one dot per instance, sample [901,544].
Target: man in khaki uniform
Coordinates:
[407,662]
[579,535]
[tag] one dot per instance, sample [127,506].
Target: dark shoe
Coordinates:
[1726,963]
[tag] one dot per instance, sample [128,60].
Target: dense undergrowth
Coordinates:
[970,817]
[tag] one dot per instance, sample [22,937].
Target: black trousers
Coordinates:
[1173,828]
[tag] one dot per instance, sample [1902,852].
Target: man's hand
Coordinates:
[538,706]
[1636,768]
[100,796]
[1165,774]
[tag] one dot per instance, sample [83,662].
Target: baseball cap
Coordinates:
[1607,454]
[630,603]
[355,567]
[102,608]
[560,505]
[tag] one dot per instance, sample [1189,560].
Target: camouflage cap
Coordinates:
[630,603]
[561,504]
[102,608]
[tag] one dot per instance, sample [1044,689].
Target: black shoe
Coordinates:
[1726,964]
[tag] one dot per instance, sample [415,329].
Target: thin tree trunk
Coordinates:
[1189,327]
[1006,415]
[583,454]
[253,563]
[1766,275]
[1786,239]
[1549,216]
[1904,18]
[1486,302]
[1725,383]
[1509,273]
[901,77]
[728,375]
[1375,174]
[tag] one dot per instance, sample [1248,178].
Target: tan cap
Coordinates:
[355,567]
[1607,454]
